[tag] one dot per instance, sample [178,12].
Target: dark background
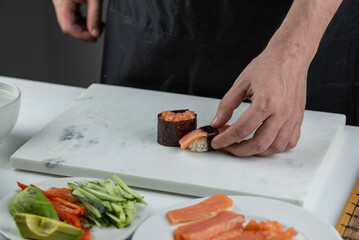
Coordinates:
[32,46]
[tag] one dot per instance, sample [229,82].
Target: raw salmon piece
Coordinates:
[205,209]
[170,117]
[254,235]
[190,137]
[177,115]
[211,227]
[188,115]
[164,114]
[249,235]
[230,235]
[269,230]
[252,226]
[272,226]
[279,235]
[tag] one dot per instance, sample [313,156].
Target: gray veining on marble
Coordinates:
[112,129]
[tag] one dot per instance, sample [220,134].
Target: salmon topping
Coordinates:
[205,209]
[191,137]
[171,116]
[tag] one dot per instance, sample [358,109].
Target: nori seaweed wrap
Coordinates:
[173,125]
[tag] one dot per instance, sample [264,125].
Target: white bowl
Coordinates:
[9,107]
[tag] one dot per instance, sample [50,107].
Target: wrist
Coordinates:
[292,49]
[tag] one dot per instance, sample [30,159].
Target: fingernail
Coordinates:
[95,32]
[215,120]
[214,145]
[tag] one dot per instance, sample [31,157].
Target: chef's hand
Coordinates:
[275,82]
[73,23]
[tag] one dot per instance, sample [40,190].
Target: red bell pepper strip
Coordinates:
[61,210]
[73,220]
[86,235]
[22,186]
[76,209]
[63,193]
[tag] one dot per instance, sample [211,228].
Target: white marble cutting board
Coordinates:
[110,129]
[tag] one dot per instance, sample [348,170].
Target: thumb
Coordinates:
[94,17]
[231,100]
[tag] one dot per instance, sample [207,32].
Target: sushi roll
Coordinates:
[172,125]
[199,140]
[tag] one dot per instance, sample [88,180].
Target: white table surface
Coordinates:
[41,102]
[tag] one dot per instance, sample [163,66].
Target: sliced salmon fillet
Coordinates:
[211,227]
[230,235]
[249,235]
[205,209]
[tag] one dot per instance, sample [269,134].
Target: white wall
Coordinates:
[32,46]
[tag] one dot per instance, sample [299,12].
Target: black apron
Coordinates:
[199,47]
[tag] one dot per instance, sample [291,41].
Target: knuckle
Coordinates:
[241,132]
[94,18]
[289,109]
[224,102]
[279,147]
[65,30]
[262,145]
[63,20]
[292,144]
[267,103]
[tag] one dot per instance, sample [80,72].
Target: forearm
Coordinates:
[304,26]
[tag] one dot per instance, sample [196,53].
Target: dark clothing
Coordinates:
[197,47]
[200,47]
[333,77]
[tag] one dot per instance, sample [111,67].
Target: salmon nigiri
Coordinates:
[199,140]
[205,209]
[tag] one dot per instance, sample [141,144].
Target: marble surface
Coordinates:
[111,129]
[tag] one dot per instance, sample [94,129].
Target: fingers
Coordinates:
[242,128]
[94,17]
[281,141]
[230,101]
[267,132]
[287,138]
[71,21]
[294,138]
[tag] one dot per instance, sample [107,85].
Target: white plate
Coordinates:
[308,226]
[8,227]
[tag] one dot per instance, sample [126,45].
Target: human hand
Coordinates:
[73,23]
[275,82]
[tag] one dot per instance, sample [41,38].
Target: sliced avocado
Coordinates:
[37,227]
[32,200]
